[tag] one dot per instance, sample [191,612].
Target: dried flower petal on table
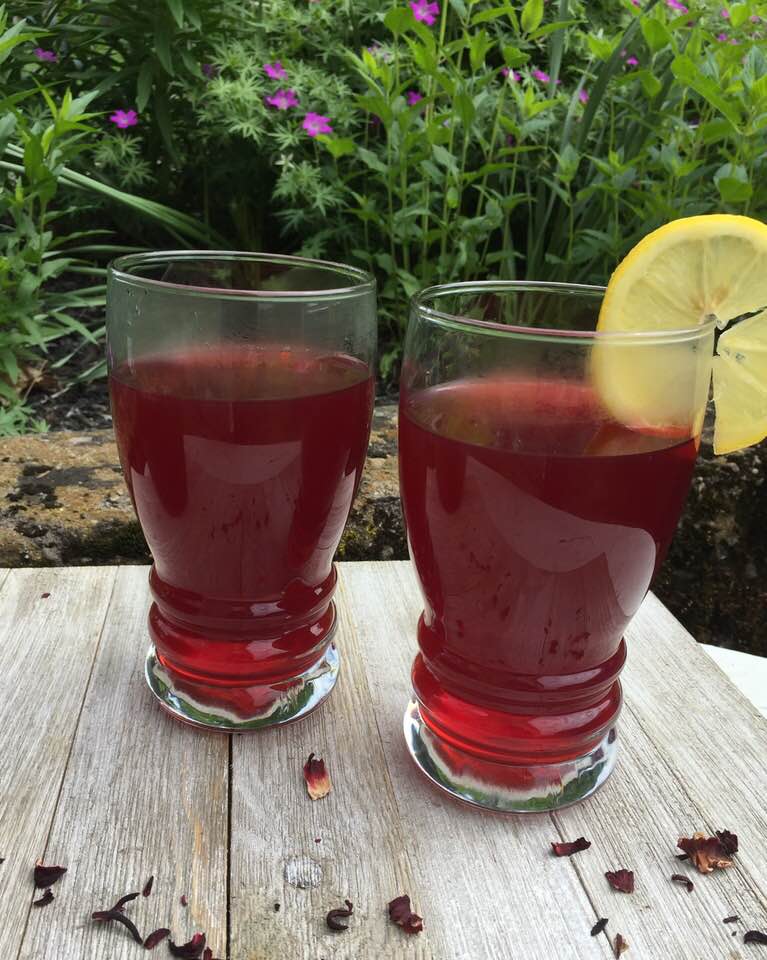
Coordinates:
[733,919]
[334,917]
[599,926]
[47,876]
[155,937]
[123,900]
[755,936]
[276,908]
[184,901]
[403,916]
[620,945]
[190,950]
[119,916]
[317,778]
[728,840]
[707,853]
[621,880]
[46,898]
[685,881]
[567,849]
[148,887]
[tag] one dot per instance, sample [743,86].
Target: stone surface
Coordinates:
[63,502]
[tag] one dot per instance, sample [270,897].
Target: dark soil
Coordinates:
[62,402]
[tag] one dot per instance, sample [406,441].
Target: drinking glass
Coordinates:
[543,468]
[242,392]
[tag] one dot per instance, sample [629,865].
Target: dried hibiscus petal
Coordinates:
[733,919]
[155,937]
[599,926]
[184,901]
[190,950]
[685,881]
[47,876]
[620,945]
[334,917]
[622,880]
[570,847]
[148,887]
[403,916]
[707,853]
[123,900]
[728,840]
[46,898]
[119,916]
[755,936]
[317,777]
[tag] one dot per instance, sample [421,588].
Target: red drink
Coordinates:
[536,524]
[242,463]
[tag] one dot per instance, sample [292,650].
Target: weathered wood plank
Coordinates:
[142,795]
[310,856]
[47,645]
[487,885]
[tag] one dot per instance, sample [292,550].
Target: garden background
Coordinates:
[427,141]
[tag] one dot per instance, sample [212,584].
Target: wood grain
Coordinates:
[142,795]
[47,647]
[310,856]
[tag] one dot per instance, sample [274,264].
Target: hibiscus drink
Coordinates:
[242,458]
[536,521]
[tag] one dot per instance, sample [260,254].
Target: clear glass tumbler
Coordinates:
[242,391]
[543,468]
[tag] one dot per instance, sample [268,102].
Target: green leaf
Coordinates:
[685,70]
[464,107]
[452,197]
[478,47]
[372,161]
[739,13]
[338,146]
[460,8]
[715,130]
[656,34]
[650,83]
[733,184]
[162,48]
[567,165]
[549,28]
[513,57]
[398,20]
[176,7]
[484,16]
[144,84]
[532,14]
[600,47]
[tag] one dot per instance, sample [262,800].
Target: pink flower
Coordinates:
[48,55]
[632,62]
[124,118]
[425,11]
[583,95]
[283,100]
[413,96]
[275,71]
[721,37]
[676,5]
[725,13]
[315,124]
[506,73]
[541,76]
[636,3]
[755,18]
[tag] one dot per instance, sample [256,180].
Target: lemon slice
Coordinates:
[688,274]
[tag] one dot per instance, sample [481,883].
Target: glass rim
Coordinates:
[457,322]
[120,269]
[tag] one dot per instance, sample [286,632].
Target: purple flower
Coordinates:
[755,18]
[506,73]
[425,11]
[210,70]
[124,118]
[510,141]
[275,71]
[635,3]
[632,62]
[413,96]
[722,37]
[315,124]
[676,5]
[541,76]
[283,100]
[48,55]
[583,95]
[725,13]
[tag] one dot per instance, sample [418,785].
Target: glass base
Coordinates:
[507,788]
[242,708]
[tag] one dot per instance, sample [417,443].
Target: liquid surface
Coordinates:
[535,524]
[242,463]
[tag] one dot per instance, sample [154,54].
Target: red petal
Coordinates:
[621,880]
[317,778]
[569,848]
[403,916]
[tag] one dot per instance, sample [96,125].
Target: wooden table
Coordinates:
[95,777]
